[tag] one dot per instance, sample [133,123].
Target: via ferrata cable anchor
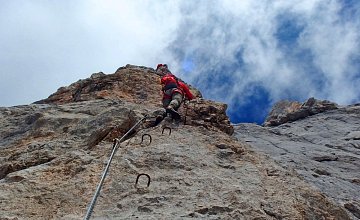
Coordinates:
[98,189]
[148,135]
[143,174]
[168,128]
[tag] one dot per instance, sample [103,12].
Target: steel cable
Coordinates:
[97,192]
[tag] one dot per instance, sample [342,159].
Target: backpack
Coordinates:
[170,81]
[186,90]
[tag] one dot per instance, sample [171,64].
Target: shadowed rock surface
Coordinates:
[53,153]
[324,148]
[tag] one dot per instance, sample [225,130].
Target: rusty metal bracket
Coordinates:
[186,109]
[142,138]
[168,129]
[143,174]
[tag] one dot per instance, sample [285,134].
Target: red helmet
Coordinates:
[160,65]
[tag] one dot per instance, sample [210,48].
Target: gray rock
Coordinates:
[53,153]
[323,149]
[287,111]
[52,157]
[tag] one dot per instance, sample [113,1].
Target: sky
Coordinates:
[248,54]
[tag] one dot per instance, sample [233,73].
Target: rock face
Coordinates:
[131,83]
[286,111]
[53,153]
[324,148]
[141,85]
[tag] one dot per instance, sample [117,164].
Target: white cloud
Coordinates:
[55,44]
[251,27]
[48,45]
[333,43]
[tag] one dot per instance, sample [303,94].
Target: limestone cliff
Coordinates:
[318,140]
[53,152]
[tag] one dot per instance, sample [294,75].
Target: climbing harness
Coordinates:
[115,146]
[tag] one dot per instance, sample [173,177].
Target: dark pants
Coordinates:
[173,99]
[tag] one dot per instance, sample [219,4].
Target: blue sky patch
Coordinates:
[288,30]
[350,9]
[188,65]
[254,109]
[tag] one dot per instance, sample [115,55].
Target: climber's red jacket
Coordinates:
[169,81]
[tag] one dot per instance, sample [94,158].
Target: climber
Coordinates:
[174,91]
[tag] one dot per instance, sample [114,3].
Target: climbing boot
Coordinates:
[158,119]
[174,114]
